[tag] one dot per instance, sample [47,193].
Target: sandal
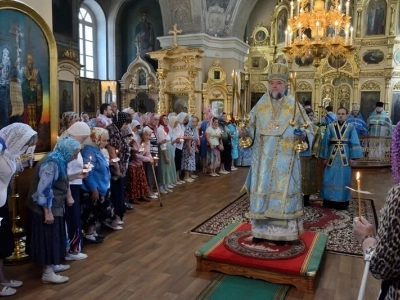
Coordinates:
[12,283]
[7,291]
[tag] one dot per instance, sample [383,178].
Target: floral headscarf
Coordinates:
[95,136]
[62,154]
[166,129]
[396,153]
[16,136]
[66,118]
[120,119]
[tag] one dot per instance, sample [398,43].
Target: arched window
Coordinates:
[87,43]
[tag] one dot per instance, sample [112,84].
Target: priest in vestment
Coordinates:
[379,122]
[357,120]
[274,179]
[340,144]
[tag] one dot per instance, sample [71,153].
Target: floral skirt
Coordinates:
[137,185]
[99,211]
[213,158]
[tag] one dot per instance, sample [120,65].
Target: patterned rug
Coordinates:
[241,243]
[337,224]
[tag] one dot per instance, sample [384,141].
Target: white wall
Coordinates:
[43,8]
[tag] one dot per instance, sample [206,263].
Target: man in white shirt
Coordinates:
[104,118]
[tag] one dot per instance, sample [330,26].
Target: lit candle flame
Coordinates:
[358,176]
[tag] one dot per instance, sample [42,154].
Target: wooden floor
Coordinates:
[153,256]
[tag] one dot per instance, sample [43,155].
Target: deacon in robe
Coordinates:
[357,120]
[274,179]
[379,122]
[340,145]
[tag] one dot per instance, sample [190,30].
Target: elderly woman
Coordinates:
[235,141]
[167,172]
[179,131]
[189,149]
[137,188]
[14,141]
[95,190]
[175,140]
[213,135]
[118,151]
[384,246]
[208,114]
[155,142]
[46,231]
[79,131]
[67,119]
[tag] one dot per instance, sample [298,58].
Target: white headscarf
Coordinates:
[16,137]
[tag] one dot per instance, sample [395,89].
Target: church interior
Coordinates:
[169,56]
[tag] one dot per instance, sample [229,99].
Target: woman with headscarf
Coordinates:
[213,135]
[119,154]
[175,140]
[14,141]
[79,131]
[208,115]
[46,237]
[96,203]
[167,172]
[155,142]
[137,188]
[183,120]
[67,120]
[189,149]
[226,156]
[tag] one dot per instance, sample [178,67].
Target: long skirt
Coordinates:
[73,221]
[6,235]
[117,190]
[137,185]
[46,243]
[178,159]
[100,211]
[213,158]
[167,172]
[148,169]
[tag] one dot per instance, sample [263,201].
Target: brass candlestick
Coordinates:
[19,254]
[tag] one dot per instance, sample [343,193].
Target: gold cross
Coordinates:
[175,32]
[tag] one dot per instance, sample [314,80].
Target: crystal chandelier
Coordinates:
[317,31]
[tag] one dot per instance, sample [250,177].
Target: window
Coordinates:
[86,43]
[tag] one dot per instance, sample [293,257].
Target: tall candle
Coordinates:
[351,35]
[347,7]
[359,195]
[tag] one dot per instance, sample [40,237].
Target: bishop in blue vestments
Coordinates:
[340,145]
[274,179]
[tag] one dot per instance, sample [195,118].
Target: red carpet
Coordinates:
[337,224]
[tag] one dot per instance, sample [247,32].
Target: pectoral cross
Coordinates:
[175,32]
[18,34]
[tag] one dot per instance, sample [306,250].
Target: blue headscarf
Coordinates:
[62,154]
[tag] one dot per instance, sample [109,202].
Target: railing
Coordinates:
[376,149]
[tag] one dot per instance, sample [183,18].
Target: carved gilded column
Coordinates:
[392,17]
[192,96]
[317,94]
[161,107]
[358,31]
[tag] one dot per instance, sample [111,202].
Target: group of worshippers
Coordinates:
[95,168]
[274,182]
